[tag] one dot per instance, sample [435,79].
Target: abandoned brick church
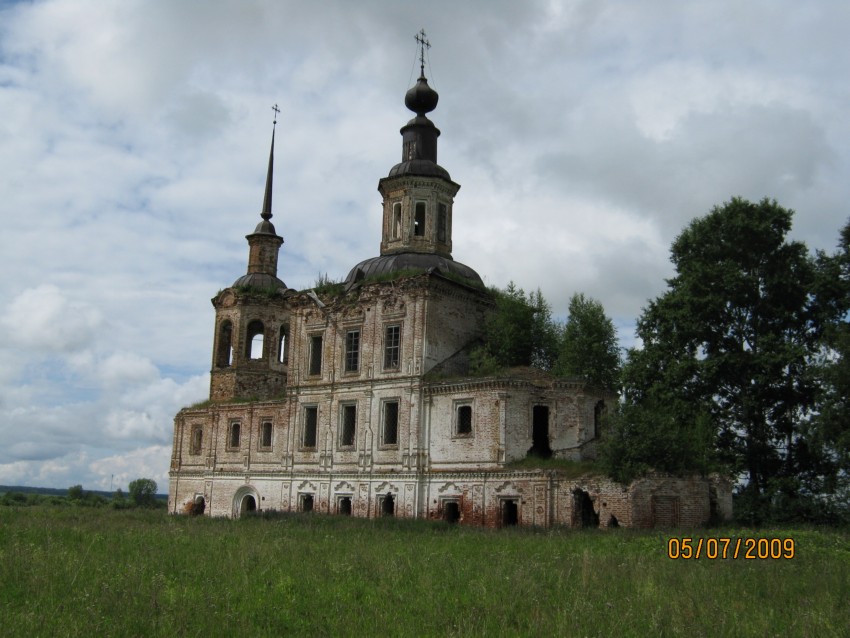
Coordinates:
[356,398]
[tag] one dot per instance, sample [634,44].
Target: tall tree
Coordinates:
[520,332]
[143,492]
[589,348]
[730,341]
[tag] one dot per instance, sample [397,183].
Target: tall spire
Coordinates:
[267,198]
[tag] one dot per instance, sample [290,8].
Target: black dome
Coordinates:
[386,264]
[259,280]
[421,98]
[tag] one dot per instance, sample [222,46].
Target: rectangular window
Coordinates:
[315,368]
[352,351]
[392,347]
[442,223]
[235,435]
[389,431]
[311,422]
[197,439]
[463,424]
[347,424]
[419,220]
[266,435]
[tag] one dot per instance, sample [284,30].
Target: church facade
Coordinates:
[357,398]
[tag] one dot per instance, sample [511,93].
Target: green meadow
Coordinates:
[74,571]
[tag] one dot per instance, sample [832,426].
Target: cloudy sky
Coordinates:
[134,140]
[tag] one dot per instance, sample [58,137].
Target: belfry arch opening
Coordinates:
[224,353]
[254,338]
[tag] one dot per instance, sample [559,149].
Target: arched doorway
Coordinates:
[245,501]
[248,505]
[388,505]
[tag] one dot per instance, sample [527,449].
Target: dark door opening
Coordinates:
[540,432]
[248,505]
[584,511]
[510,513]
[388,505]
[451,511]
[345,506]
[306,502]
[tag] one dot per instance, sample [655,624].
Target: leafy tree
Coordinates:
[521,332]
[729,343]
[75,493]
[142,492]
[589,347]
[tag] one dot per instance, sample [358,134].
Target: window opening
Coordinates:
[390,433]
[197,439]
[540,432]
[442,223]
[306,502]
[266,436]
[254,340]
[344,506]
[311,418]
[419,220]
[392,347]
[315,355]
[283,345]
[224,356]
[599,411]
[510,513]
[388,505]
[396,227]
[352,351]
[451,511]
[349,424]
[235,434]
[464,420]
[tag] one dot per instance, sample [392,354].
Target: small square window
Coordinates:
[392,347]
[311,422]
[389,431]
[348,424]
[463,420]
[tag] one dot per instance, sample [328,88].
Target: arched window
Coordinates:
[283,345]
[224,354]
[235,434]
[266,435]
[254,340]
[395,231]
[419,220]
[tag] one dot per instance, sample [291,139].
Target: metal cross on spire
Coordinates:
[422,39]
[276,111]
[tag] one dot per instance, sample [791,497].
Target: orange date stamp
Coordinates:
[721,548]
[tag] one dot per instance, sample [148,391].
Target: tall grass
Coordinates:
[75,572]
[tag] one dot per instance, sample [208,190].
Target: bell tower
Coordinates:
[418,193]
[250,347]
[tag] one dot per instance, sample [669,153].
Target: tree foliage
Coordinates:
[727,355]
[589,348]
[520,332]
[142,492]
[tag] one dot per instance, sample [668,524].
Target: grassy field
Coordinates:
[101,572]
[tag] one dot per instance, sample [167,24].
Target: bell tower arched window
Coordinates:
[419,220]
[254,340]
[395,230]
[224,354]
